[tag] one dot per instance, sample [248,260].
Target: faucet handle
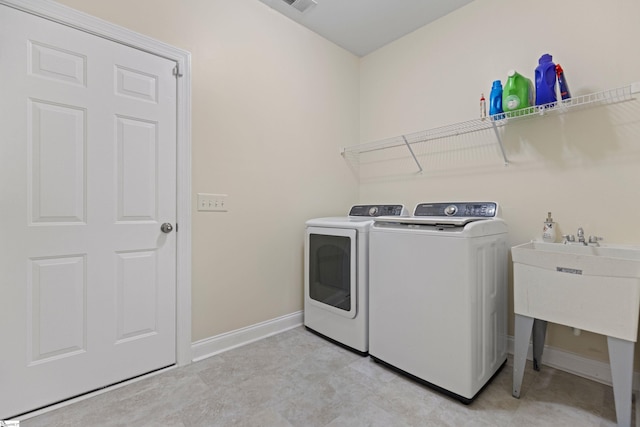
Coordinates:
[595,239]
[568,238]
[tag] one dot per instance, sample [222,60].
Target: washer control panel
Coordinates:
[378,210]
[457,209]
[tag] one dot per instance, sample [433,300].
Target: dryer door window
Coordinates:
[331,272]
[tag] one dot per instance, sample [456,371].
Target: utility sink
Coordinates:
[594,288]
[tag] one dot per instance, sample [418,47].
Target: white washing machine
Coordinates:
[336,275]
[438,295]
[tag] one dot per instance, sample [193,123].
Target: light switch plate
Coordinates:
[212,202]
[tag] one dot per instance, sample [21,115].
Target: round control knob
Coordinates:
[373,211]
[450,210]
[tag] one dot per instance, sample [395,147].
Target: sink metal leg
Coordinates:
[539,334]
[621,360]
[523,326]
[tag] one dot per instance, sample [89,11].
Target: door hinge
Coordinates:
[176,71]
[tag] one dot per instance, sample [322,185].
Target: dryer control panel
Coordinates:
[457,209]
[378,210]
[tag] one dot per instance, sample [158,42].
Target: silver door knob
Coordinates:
[166,227]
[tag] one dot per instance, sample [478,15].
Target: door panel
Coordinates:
[56,156]
[137,167]
[136,295]
[87,175]
[56,282]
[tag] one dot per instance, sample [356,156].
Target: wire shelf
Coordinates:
[494,122]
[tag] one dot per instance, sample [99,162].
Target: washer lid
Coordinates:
[432,220]
[357,223]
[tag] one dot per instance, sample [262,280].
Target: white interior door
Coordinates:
[87,177]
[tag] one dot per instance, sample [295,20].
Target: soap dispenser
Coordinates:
[549,230]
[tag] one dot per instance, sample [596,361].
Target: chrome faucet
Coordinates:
[571,239]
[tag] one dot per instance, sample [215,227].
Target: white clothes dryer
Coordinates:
[438,295]
[336,286]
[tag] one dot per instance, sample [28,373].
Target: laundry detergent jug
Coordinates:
[495,101]
[517,93]
[545,81]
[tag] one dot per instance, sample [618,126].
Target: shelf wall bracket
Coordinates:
[415,159]
[504,155]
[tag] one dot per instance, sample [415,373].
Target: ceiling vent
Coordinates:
[301,5]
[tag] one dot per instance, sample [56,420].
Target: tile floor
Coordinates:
[298,379]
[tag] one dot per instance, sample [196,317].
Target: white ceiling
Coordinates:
[362,26]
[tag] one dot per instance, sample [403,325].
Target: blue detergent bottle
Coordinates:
[495,101]
[545,80]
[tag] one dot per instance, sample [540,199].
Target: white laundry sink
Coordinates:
[594,288]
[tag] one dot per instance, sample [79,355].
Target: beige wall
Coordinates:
[272,104]
[584,167]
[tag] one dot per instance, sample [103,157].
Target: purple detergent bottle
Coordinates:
[545,80]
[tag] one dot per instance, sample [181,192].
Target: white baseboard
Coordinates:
[229,340]
[575,364]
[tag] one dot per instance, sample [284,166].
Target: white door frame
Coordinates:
[64,15]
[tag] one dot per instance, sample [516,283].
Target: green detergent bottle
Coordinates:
[517,93]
